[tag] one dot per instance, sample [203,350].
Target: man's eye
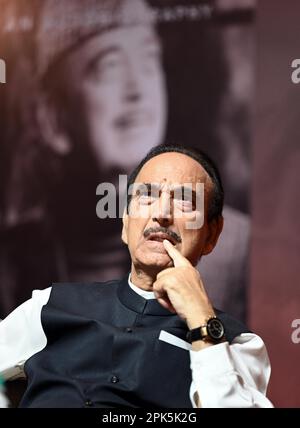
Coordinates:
[144,194]
[185,205]
[145,197]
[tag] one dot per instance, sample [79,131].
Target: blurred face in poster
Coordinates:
[118,84]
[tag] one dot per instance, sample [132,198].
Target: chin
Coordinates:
[157,263]
[156,259]
[136,144]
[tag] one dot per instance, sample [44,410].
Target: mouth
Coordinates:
[159,237]
[132,120]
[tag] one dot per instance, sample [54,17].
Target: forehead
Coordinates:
[135,34]
[118,39]
[172,168]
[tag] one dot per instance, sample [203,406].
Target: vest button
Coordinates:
[114,379]
[128,330]
[88,403]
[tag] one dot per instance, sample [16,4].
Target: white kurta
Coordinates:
[223,375]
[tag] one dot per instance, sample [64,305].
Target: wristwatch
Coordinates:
[211,331]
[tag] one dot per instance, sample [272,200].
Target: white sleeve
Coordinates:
[22,335]
[234,375]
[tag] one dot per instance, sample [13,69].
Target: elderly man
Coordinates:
[152,338]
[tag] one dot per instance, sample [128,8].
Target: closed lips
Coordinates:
[160,237]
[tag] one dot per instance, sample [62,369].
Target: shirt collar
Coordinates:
[133,300]
[146,294]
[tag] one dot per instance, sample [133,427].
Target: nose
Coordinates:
[134,81]
[163,210]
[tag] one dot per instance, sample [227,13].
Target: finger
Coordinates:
[162,297]
[166,303]
[176,256]
[164,272]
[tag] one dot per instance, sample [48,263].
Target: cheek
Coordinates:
[192,221]
[101,101]
[135,232]
[192,244]
[157,98]
[101,109]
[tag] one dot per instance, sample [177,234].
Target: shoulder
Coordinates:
[66,295]
[41,296]
[79,302]
[77,288]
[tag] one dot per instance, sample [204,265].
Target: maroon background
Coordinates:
[275,293]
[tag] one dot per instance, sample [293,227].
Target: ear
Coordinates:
[53,134]
[215,228]
[125,227]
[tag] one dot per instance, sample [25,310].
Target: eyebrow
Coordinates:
[155,186]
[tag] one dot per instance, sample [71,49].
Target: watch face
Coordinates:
[215,329]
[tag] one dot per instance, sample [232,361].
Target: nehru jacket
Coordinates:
[104,345]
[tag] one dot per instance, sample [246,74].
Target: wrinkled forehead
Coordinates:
[169,169]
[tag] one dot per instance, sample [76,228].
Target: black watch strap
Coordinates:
[194,334]
[212,330]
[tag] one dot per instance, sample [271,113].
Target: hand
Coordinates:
[180,290]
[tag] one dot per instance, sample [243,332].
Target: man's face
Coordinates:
[168,213]
[118,84]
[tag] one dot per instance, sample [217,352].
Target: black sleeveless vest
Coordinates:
[103,350]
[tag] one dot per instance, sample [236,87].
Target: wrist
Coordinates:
[212,332]
[198,319]
[198,345]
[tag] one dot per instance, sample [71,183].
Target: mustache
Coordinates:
[161,229]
